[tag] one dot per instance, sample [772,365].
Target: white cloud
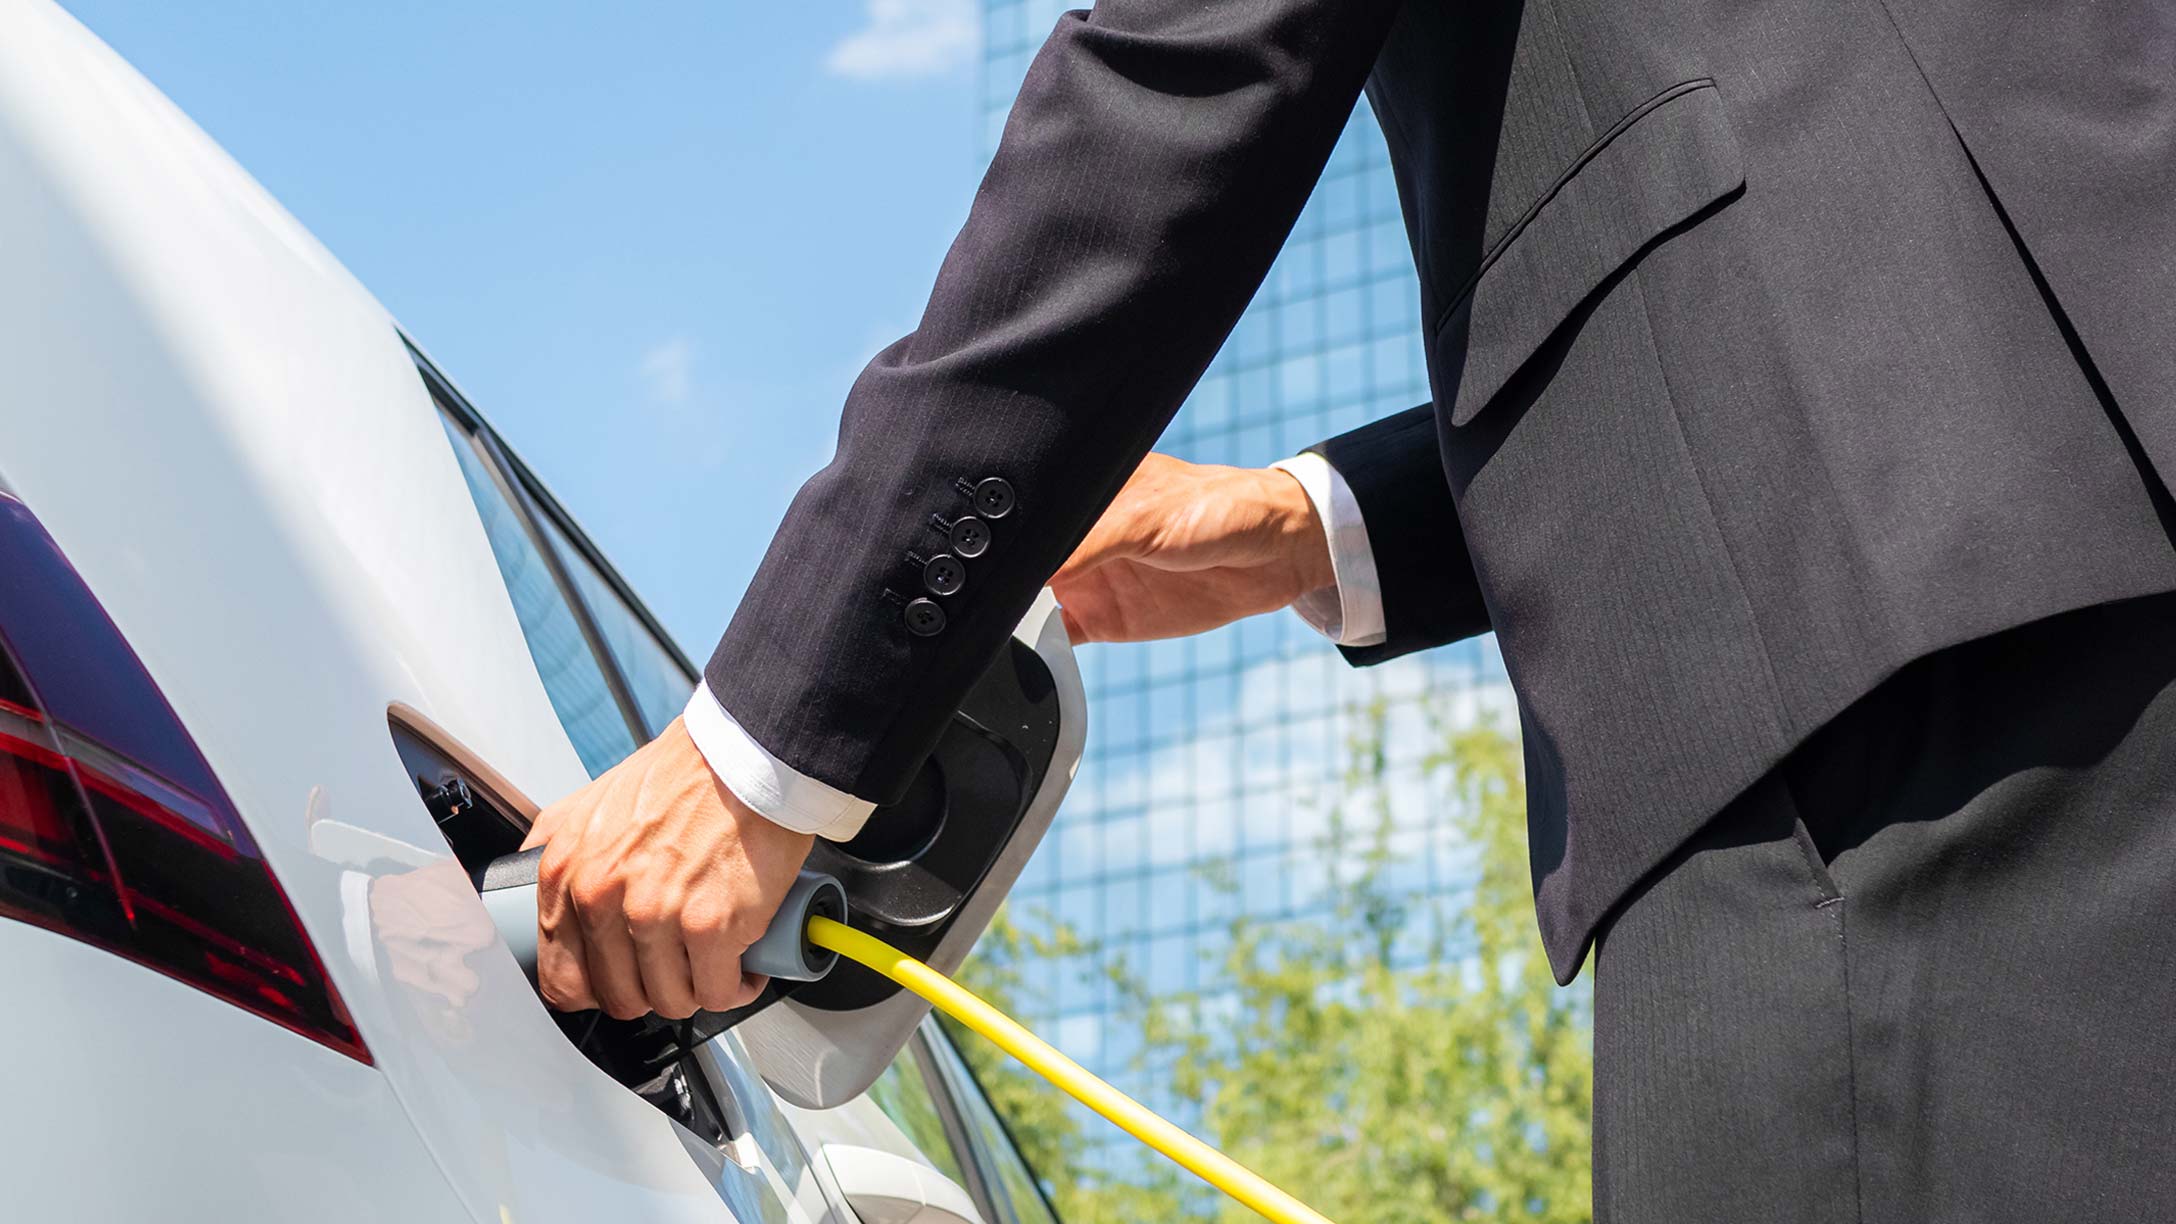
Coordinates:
[907,39]
[681,398]
[668,371]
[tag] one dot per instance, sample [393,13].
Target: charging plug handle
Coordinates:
[508,888]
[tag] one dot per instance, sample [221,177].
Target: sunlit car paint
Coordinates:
[227,436]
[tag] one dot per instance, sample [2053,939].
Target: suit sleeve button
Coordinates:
[970,537]
[924,618]
[994,498]
[944,574]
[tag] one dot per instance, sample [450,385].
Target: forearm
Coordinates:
[1155,160]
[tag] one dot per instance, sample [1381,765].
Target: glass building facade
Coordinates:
[1214,764]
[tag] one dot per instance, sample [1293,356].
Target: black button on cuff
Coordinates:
[924,618]
[944,574]
[994,498]
[970,537]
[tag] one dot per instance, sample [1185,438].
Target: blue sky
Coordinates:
[654,241]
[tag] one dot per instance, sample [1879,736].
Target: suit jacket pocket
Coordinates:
[1659,166]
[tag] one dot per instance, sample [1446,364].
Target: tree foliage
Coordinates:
[1382,1081]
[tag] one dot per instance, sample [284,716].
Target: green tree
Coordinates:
[1380,1081]
[1044,1122]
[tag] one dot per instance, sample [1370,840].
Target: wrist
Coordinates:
[761,783]
[1302,536]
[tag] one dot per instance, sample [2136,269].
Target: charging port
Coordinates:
[651,1057]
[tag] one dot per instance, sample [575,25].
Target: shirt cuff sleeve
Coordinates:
[1350,612]
[771,788]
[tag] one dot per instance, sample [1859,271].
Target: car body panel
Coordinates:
[228,438]
[156,1105]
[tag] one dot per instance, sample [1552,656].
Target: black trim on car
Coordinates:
[544,503]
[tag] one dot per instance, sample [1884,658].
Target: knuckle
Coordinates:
[624,1008]
[702,923]
[559,999]
[647,915]
[745,926]
[564,990]
[594,894]
[720,999]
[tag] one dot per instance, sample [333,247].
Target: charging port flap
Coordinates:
[928,873]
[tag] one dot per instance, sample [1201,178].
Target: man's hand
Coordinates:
[1188,547]
[655,879]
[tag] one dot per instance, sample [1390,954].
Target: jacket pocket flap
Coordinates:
[1657,167]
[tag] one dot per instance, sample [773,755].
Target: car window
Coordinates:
[1018,1197]
[654,676]
[903,1093]
[574,681]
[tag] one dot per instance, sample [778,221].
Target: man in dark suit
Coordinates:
[1805,397]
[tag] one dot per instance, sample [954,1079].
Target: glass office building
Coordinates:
[1225,755]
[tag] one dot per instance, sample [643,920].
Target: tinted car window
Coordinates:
[654,675]
[572,678]
[1018,1199]
[902,1092]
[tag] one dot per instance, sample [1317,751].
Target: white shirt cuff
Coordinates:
[771,788]
[1350,612]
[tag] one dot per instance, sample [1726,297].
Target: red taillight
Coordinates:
[112,828]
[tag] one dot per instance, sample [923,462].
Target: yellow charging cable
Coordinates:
[1040,1057]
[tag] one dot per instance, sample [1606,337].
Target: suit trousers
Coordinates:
[1925,970]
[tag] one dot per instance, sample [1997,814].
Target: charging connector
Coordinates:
[508,888]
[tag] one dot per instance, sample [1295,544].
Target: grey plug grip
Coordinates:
[508,888]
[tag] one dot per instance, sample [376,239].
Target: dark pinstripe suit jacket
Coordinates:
[1774,343]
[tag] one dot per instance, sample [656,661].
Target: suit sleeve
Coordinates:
[1154,162]
[1423,568]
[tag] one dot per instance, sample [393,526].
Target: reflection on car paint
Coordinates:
[748,1194]
[728,1063]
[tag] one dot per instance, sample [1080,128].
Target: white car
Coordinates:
[286,634]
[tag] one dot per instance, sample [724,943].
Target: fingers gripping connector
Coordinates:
[508,888]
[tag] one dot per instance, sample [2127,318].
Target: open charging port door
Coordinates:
[928,873]
[925,875]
